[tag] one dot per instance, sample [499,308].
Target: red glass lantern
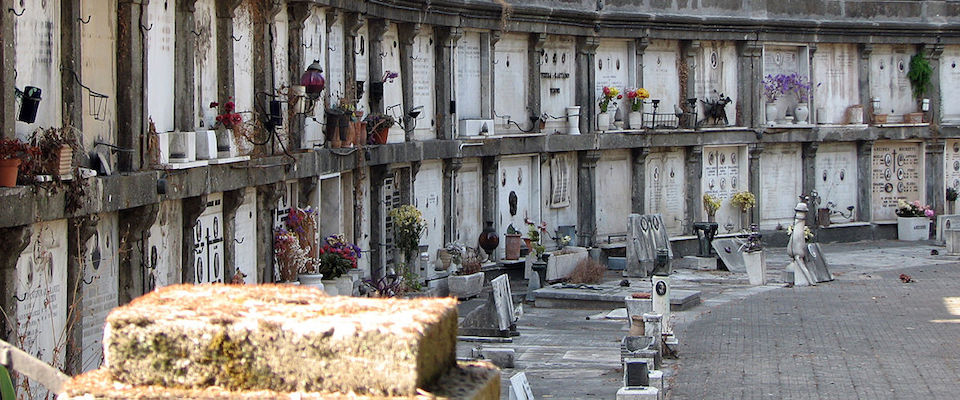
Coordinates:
[312,80]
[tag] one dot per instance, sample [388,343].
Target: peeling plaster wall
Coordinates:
[163,246]
[37,47]
[205,63]
[98,46]
[160,59]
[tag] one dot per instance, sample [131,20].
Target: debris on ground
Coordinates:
[906,278]
[625,283]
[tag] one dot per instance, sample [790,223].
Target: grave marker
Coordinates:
[520,387]
[731,252]
[645,234]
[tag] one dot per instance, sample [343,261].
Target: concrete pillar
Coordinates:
[586,197]
[352,22]
[694,198]
[586,95]
[933,53]
[15,240]
[750,73]
[864,84]
[487,43]
[534,59]
[131,95]
[808,156]
[134,226]
[8,63]
[232,200]
[933,170]
[375,29]
[641,48]
[71,92]
[689,86]
[185,47]
[79,230]
[331,16]
[864,185]
[192,208]
[226,11]
[638,184]
[755,151]
[811,101]
[450,168]
[297,14]
[267,198]
[446,81]
[378,248]
[262,19]
[408,32]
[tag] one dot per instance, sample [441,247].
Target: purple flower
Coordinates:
[929,213]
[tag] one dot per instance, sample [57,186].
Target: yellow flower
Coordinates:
[643,94]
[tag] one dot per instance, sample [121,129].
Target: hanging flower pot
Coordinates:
[8,172]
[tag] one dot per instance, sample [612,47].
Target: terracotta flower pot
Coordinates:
[8,172]
[513,244]
[361,129]
[380,137]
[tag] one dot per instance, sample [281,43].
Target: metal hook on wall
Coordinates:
[17,14]
[92,278]
[19,300]
[240,241]
[307,47]
[145,29]
[195,33]
[331,48]
[87,21]
[236,39]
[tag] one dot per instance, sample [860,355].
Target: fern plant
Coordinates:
[919,75]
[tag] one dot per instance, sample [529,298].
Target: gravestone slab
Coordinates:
[502,298]
[724,173]
[896,174]
[946,222]
[731,252]
[780,183]
[665,172]
[836,176]
[520,387]
[645,234]
[817,263]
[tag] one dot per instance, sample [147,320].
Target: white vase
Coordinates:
[344,285]
[913,228]
[603,121]
[756,265]
[225,147]
[801,113]
[771,113]
[311,280]
[635,118]
[573,120]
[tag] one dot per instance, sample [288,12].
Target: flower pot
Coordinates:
[311,280]
[345,124]
[8,172]
[344,285]
[801,112]
[465,286]
[380,136]
[330,287]
[855,115]
[225,147]
[513,244]
[823,217]
[770,112]
[332,132]
[913,118]
[560,266]
[635,119]
[603,121]
[445,259]
[756,264]
[573,120]
[879,119]
[61,163]
[913,228]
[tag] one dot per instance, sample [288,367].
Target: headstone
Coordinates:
[724,173]
[638,393]
[503,301]
[731,252]
[780,180]
[661,301]
[635,373]
[836,176]
[946,222]
[665,182]
[817,264]
[896,174]
[645,234]
[208,242]
[520,387]
[952,239]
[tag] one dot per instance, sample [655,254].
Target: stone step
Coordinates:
[282,338]
[606,297]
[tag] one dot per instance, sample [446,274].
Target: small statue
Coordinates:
[716,110]
[797,247]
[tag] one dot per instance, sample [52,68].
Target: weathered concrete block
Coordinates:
[469,380]
[638,393]
[503,358]
[282,338]
[656,379]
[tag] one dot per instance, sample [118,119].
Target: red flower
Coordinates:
[619,96]
[214,104]
[219,118]
[229,106]
[235,118]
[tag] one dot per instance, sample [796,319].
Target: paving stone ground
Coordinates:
[865,335]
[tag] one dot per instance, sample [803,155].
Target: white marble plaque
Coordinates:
[559,172]
[949,81]
[245,237]
[665,188]
[836,177]
[392,91]
[785,60]
[336,86]
[557,78]
[313,34]
[724,173]
[205,63]
[423,84]
[780,184]
[468,76]
[716,66]
[428,198]
[361,48]
[40,291]
[510,70]
[281,71]
[242,59]
[468,195]
[612,70]
[951,164]
[836,70]
[98,42]
[99,296]
[514,177]
[503,301]
[660,76]
[520,388]
[208,242]
[613,177]
[896,174]
[159,46]
[164,244]
[888,80]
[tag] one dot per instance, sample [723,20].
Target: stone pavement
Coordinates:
[865,335]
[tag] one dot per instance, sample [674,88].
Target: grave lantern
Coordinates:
[313,81]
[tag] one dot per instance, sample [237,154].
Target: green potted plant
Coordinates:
[951,200]
[919,76]
[378,127]
[534,232]
[336,257]
[408,226]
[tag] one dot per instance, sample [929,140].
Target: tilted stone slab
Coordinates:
[469,380]
[282,338]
